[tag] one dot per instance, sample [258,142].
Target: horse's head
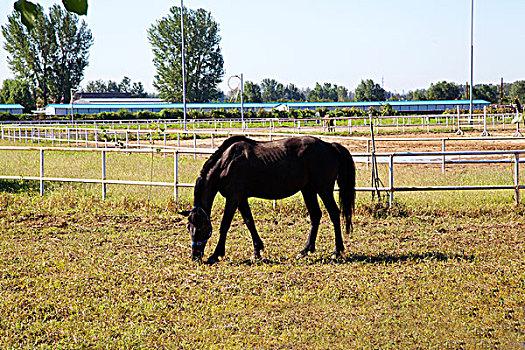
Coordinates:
[199,225]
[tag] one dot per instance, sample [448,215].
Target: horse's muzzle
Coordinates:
[197,253]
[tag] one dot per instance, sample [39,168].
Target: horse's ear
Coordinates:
[185,213]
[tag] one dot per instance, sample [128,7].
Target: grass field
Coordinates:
[439,270]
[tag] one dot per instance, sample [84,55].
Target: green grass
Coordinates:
[442,270]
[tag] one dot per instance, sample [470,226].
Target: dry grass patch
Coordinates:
[76,272]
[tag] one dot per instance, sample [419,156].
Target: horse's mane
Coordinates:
[208,165]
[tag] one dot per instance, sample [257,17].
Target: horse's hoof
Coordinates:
[213,260]
[336,256]
[257,255]
[302,254]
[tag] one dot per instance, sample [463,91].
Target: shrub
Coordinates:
[124,114]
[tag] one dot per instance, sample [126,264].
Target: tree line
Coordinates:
[49,52]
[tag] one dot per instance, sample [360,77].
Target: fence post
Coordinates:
[391,176]
[368,151]
[517,177]
[103,175]
[41,172]
[485,132]
[176,176]
[194,145]
[459,132]
[517,133]
[443,150]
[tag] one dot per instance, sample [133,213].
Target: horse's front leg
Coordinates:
[333,211]
[246,213]
[310,199]
[220,249]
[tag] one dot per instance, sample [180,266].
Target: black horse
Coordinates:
[243,168]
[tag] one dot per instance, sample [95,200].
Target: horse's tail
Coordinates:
[346,181]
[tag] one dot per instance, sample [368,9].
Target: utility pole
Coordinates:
[471,57]
[501,92]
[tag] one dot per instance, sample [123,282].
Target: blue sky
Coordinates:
[409,43]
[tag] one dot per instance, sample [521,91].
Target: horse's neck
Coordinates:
[204,194]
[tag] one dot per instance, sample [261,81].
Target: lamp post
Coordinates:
[183,64]
[72,91]
[241,78]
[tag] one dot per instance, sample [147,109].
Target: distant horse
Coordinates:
[242,168]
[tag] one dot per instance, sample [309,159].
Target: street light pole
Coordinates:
[471,57]
[242,101]
[183,63]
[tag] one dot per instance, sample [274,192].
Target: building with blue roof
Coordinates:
[12,108]
[156,107]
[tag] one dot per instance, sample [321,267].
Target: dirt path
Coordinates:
[406,142]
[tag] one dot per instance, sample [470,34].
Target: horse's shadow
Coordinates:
[382,258]
[19,186]
[385,258]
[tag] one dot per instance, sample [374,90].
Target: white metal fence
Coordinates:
[140,138]
[516,157]
[448,122]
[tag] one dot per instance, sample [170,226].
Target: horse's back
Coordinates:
[278,169]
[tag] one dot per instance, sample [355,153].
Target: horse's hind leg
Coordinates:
[310,199]
[333,211]
[246,213]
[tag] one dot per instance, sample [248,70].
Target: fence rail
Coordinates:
[512,157]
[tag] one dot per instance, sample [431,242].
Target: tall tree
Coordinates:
[52,56]
[204,61]
[73,40]
[270,90]
[325,92]
[292,93]
[443,91]
[486,92]
[17,91]
[367,90]
[517,92]
[252,92]
[342,93]
[136,88]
